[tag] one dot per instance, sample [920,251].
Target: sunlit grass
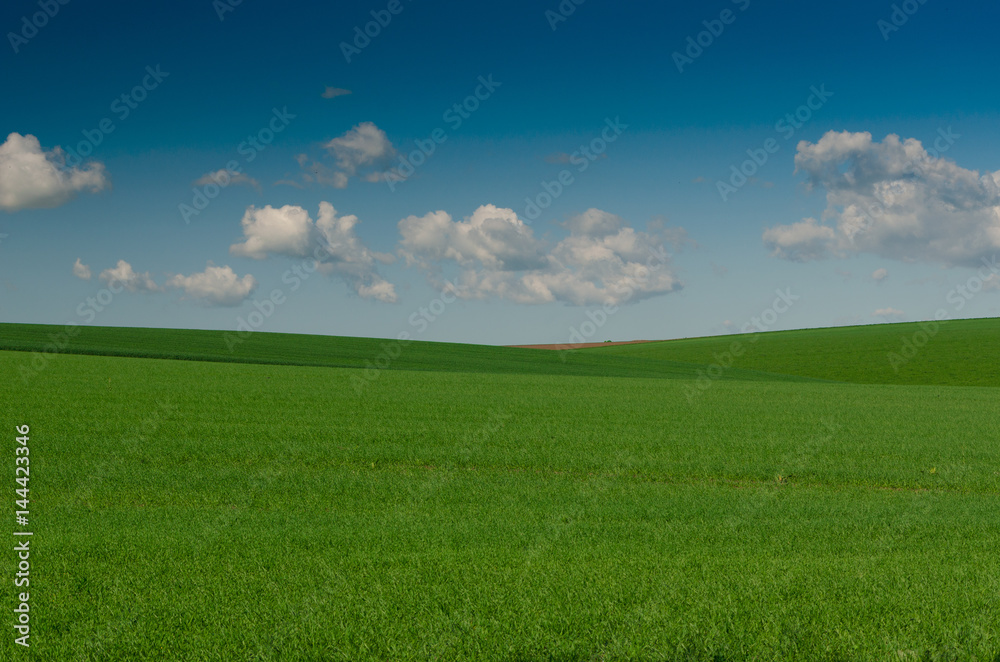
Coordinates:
[219,511]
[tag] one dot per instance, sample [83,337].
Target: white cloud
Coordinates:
[334,92]
[880,275]
[289,231]
[216,286]
[493,237]
[225,178]
[81,270]
[892,199]
[364,152]
[285,231]
[593,222]
[498,256]
[123,274]
[888,313]
[802,241]
[33,179]
[349,258]
[364,145]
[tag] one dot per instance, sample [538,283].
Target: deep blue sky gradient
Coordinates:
[558,87]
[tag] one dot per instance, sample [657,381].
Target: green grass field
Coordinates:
[487,503]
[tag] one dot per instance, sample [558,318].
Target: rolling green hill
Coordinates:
[339,352]
[955,352]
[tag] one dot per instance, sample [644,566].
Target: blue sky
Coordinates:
[454,251]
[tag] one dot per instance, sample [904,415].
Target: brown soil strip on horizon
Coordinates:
[581,345]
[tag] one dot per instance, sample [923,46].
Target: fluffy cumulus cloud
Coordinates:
[81,270]
[125,276]
[894,199]
[880,275]
[364,145]
[269,231]
[602,261]
[33,179]
[215,286]
[330,240]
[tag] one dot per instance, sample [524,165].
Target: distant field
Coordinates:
[192,510]
[338,352]
[955,352]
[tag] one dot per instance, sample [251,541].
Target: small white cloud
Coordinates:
[123,274]
[216,286]
[880,275]
[364,145]
[81,270]
[888,313]
[330,240]
[364,152]
[224,178]
[799,242]
[334,92]
[284,231]
[33,179]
